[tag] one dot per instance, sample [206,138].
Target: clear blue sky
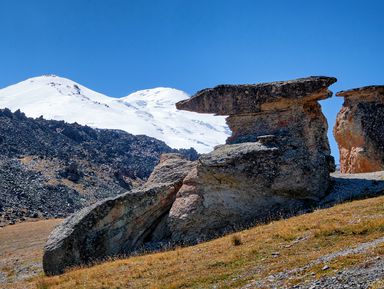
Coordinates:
[119,46]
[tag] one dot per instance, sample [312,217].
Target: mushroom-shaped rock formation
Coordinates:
[359,130]
[254,98]
[276,162]
[119,225]
[266,108]
[282,108]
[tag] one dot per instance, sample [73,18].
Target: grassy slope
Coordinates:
[21,248]
[263,250]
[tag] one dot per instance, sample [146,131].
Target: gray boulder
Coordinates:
[119,225]
[236,185]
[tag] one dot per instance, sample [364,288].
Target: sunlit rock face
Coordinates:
[276,161]
[359,130]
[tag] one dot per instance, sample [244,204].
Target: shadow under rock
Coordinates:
[348,187]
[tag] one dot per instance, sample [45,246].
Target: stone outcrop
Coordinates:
[118,225]
[359,130]
[276,161]
[277,108]
[238,184]
[253,98]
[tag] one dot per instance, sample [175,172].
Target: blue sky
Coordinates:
[119,46]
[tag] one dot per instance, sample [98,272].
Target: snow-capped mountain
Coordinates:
[151,112]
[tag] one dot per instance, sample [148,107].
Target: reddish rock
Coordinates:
[359,130]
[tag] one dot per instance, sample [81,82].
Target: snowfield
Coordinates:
[151,112]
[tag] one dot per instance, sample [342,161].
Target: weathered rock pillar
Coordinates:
[276,161]
[359,130]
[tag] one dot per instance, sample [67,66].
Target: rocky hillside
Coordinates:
[52,168]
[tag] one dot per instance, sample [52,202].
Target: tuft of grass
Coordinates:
[360,228]
[378,284]
[236,240]
[9,271]
[42,284]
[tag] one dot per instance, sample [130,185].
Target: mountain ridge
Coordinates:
[151,112]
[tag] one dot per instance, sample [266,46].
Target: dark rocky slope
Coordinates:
[52,168]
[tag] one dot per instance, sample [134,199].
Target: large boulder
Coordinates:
[277,160]
[119,225]
[238,184]
[359,130]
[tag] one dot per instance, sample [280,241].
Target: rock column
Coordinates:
[277,160]
[359,130]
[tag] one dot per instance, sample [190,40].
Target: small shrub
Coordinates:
[236,240]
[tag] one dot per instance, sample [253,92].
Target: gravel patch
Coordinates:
[361,276]
[358,277]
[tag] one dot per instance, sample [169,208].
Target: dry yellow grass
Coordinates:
[378,284]
[227,262]
[263,250]
[21,248]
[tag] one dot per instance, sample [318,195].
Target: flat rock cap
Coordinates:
[248,98]
[364,93]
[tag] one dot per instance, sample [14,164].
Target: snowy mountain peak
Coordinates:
[50,80]
[158,96]
[151,111]
[49,76]
[63,86]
